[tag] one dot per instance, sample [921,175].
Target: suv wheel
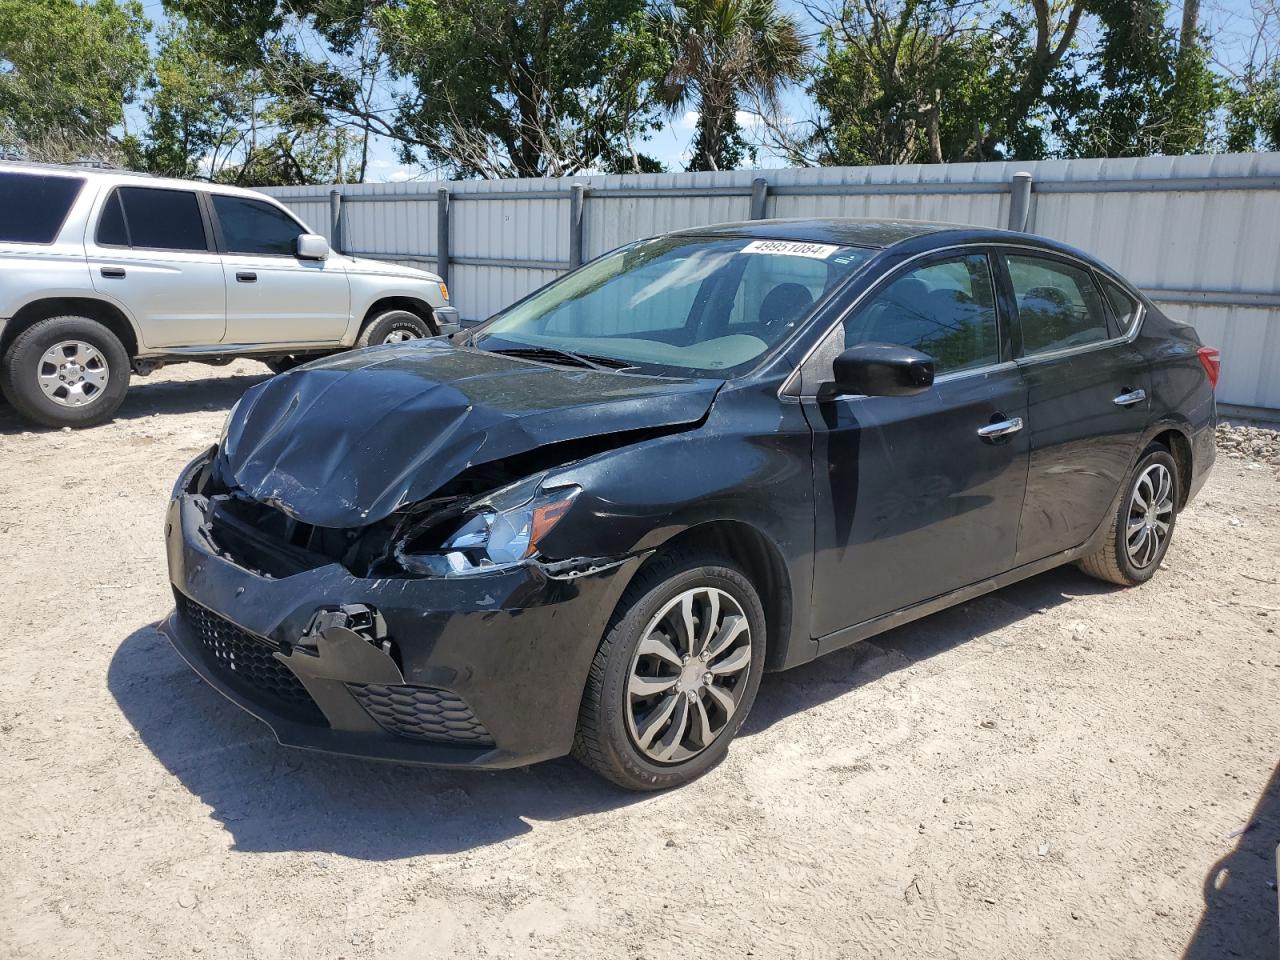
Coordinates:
[1143,524]
[393,326]
[66,372]
[675,675]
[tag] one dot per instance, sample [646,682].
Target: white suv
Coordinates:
[107,273]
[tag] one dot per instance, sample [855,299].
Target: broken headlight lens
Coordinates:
[503,529]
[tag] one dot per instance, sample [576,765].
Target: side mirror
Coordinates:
[879,370]
[312,246]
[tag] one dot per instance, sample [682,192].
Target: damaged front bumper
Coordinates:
[482,671]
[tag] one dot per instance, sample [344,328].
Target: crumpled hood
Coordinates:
[345,442]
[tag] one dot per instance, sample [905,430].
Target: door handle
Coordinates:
[246,276]
[1130,398]
[1001,428]
[112,273]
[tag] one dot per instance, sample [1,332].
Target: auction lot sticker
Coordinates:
[791,248]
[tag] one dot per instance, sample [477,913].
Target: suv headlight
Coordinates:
[499,531]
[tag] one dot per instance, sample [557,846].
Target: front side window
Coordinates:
[946,309]
[1058,305]
[34,206]
[151,218]
[251,226]
[683,305]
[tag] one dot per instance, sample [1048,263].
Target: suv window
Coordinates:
[251,226]
[1058,305]
[1123,307]
[946,309]
[152,218]
[34,206]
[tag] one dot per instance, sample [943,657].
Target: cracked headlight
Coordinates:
[499,531]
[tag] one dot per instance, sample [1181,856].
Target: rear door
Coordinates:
[151,250]
[272,295]
[1088,399]
[917,496]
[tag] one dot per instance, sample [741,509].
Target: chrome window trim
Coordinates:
[1132,334]
[952,377]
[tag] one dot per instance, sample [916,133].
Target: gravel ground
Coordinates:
[1060,769]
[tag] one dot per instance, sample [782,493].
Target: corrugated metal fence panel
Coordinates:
[1186,236]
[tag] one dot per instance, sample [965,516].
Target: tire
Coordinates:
[281,364]
[97,372]
[392,326]
[618,737]
[1129,562]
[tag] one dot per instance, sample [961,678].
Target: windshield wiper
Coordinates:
[554,353]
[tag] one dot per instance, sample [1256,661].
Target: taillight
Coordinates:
[1211,360]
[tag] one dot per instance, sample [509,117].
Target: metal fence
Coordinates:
[1201,234]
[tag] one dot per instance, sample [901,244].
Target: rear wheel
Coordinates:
[393,326]
[1143,525]
[66,372]
[675,675]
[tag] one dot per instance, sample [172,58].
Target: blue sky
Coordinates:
[1230,21]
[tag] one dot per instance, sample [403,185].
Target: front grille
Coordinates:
[421,713]
[248,658]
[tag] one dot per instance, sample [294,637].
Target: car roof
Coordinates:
[130,177]
[880,234]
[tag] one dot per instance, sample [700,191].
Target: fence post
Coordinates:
[577,195]
[759,194]
[442,234]
[1020,202]
[335,219]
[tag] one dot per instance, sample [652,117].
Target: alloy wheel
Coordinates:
[1150,515]
[73,373]
[688,675]
[400,335]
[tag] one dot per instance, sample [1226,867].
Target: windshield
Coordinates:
[681,305]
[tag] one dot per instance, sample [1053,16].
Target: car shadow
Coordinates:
[270,798]
[793,691]
[147,398]
[1240,911]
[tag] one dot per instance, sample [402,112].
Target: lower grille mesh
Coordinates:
[248,658]
[421,713]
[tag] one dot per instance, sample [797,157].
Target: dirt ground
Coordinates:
[1060,769]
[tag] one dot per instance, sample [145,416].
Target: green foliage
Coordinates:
[1140,97]
[719,51]
[908,90]
[67,71]
[524,87]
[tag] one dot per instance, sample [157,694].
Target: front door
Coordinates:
[272,295]
[151,251]
[1088,397]
[918,496]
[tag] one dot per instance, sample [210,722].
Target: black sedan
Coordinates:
[590,524]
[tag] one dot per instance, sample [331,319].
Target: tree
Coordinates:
[67,71]
[721,50]
[903,82]
[1146,95]
[527,88]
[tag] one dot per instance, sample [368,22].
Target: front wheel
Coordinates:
[675,675]
[393,326]
[1143,525]
[66,372]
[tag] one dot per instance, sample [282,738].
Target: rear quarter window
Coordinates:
[35,206]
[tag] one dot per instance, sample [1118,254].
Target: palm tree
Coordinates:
[720,49]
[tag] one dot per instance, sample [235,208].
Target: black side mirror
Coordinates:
[879,370]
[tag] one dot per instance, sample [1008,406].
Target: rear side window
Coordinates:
[945,309]
[1058,305]
[1123,307]
[34,206]
[152,218]
[251,226]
